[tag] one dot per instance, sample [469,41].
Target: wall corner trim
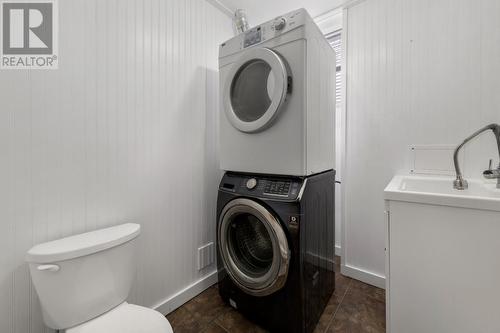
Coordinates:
[178,299]
[328,15]
[330,21]
[222,7]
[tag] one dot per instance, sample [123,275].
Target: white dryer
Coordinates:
[277,84]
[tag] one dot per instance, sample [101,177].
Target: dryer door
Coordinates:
[256,89]
[253,247]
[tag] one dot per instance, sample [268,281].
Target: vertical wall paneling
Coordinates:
[124,130]
[418,73]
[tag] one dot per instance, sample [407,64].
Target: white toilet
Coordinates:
[82,282]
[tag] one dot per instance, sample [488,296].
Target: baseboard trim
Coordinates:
[338,250]
[363,276]
[181,297]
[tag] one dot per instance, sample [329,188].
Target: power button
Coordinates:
[251,183]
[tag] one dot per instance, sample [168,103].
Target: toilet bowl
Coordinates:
[126,318]
[83,282]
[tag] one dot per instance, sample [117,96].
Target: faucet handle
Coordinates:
[488,174]
[492,173]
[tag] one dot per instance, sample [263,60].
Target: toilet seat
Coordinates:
[126,318]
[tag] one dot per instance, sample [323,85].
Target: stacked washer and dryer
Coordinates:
[275,210]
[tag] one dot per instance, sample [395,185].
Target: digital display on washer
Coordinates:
[252,37]
[278,188]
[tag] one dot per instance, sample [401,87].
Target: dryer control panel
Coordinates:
[266,31]
[273,28]
[273,187]
[252,37]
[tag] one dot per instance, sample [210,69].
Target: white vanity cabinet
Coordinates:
[443,256]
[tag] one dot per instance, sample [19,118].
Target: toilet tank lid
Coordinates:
[83,244]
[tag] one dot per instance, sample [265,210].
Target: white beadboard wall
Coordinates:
[418,72]
[125,130]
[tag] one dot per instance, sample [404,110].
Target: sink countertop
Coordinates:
[438,190]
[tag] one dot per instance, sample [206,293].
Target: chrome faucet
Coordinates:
[460,183]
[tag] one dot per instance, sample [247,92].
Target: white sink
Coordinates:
[442,247]
[440,191]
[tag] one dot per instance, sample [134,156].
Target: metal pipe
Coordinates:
[240,21]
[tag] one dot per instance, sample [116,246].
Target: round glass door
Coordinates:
[252,90]
[253,247]
[250,245]
[256,90]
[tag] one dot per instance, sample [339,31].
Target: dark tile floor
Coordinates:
[355,307]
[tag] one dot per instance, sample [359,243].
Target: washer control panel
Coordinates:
[281,188]
[286,188]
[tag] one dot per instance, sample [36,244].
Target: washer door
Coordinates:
[253,247]
[256,89]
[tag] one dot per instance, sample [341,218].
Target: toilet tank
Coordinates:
[81,277]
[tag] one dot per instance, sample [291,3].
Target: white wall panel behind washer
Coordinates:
[124,130]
